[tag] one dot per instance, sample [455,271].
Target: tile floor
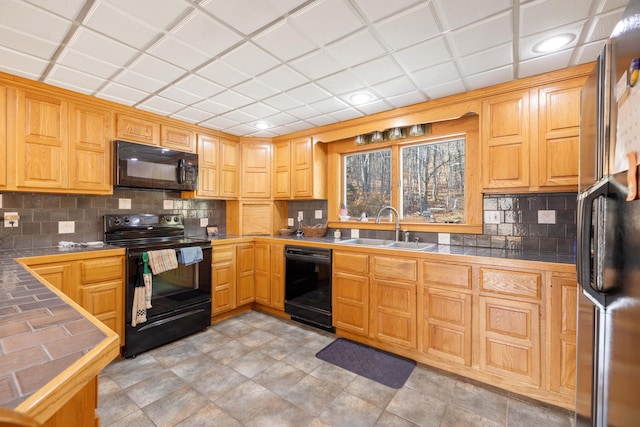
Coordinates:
[258,370]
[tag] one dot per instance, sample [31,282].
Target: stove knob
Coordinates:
[116,221]
[175,219]
[126,219]
[167,218]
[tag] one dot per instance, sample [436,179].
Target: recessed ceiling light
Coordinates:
[553,43]
[262,125]
[360,98]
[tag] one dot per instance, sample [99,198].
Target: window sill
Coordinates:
[411,226]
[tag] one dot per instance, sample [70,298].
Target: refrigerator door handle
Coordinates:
[585,233]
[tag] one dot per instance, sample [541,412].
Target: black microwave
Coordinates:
[154,168]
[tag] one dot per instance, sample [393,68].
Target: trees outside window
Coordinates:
[367,181]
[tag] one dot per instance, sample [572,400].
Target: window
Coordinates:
[367,183]
[433,181]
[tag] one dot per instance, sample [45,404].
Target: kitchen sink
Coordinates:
[381,243]
[418,246]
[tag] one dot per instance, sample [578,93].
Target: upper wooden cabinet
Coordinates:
[300,169]
[229,169]
[256,170]
[177,138]
[137,129]
[3,136]
[218,168]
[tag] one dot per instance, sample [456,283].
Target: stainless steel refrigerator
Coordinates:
[608,244]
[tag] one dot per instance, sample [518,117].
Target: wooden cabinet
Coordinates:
[277,276]
[95,281]
[177,138]
[229,169]
[218,168]
[90,149]
[270,275]
[137,129]
[256,217]
[444,315]
[256,170]
[3,136]
[350,291]
[245,264]
[223,279]
[562,306]
[300,169]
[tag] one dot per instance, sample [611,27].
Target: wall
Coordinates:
[40,213]
[510,222]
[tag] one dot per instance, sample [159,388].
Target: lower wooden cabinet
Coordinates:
[270,275]
[223,279]
[93,280]
[393,309]
[245,261]
[350,292]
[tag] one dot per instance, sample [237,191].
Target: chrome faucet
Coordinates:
[391,208]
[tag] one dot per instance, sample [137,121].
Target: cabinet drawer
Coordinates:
[351,262]
[395,268]
[446,274]
[518,283]
[222,253]
[101,270]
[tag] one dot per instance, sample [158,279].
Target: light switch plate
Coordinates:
[167,204]
[124,203]
[11,217]
[204,222]
[300,215]
[289,222]
[444,238]
[318,214]
[546,217]
[492,217]
[355,233]
[0,200]
[66,227]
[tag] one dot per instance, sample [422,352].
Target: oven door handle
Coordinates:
[138,253]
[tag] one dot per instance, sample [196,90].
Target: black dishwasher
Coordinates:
[307,295]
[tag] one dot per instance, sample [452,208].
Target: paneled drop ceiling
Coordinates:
[229,64]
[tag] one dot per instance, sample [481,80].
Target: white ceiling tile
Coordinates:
[308,93]
[410,27]
[192,115]
[316,65]
[491,32]
[93,44]
[406,99]
[450,88]
[211,107]
[138,81]
[25,43]
[326,21]
[160,14]
[156,68]
[283,78]
[435,76]
[199,86]
[122,94]
[20,64]
[374,107]
[341,82]
[378,70]
[220,123]
[527,43]
[346,114]
[130,30]
[244,129]
[26,18]
[246,16]
[328,105]
[301,125]
[282,102]
[255,90]
[321,120]
[603,25]
[394,87]
[259,110]
[231,99]
[250,59]
[379,9]
[239,116]
[589,52]
[285,41]
[160,104]
[222,74]
[356,49]
[205,34]
[423,55]
[73,79]
[67,9]
[176,51]
[280,119]
[491,58]
[490,78]
[541,15]
[458,13]
[304,112]
[73,59]
[544,64]
[178,95]
[614,4]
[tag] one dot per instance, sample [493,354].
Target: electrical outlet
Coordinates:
[0,200]
[290,222]
[300,215]
[444,238]
[355,233]
[492,217]
[318,214]
[124,203]
[66,227]
[11,219]
[167,204]
[546,217]
[204,222]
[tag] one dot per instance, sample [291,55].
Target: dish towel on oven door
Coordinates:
[139,309]
[162,260]
[190,255]
[148,279]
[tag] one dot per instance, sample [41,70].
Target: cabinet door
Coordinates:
[245,264]
[282,170]
[510,339]
[263,273]
[177,138]
[42,141]
[59,275]
[105,301]
[256,171]
[229,169]
[137,129]
[563,306]
[394,311]
[90,149]
[559,126]
[223,287]
[350,302]
[3,136]
[277,276]
[302,166]
[208,166]
[505,141]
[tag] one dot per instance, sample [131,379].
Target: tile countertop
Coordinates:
[40,333]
